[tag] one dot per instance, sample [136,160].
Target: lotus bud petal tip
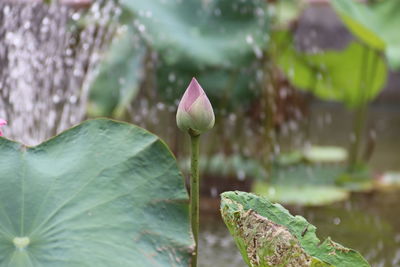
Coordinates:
[195,111]
[2,123]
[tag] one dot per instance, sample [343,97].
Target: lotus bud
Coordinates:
[2,123]
[195,111]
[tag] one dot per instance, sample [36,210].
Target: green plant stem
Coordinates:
[360,118]
[270,111]
[194,192]
[359,122]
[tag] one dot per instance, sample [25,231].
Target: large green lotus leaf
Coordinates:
[118,76]
[377,25]
[333,75]
[268,235]
[103,193]
[216,32]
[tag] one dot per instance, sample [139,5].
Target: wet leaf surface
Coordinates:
[103,193]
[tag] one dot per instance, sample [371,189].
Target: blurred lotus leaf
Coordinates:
[205,33]
[218,41]
[353,76]
[311,184]
[118,76]
[268,235]
[389,180]
[101,194]
[220,165]
[377,25]
[306,195]
[286,11]
[325,154]
[312,154]
[289,158]
[226,88]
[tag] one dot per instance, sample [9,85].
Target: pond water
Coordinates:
[369,222]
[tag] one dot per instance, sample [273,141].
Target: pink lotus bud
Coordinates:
[2,123]
[195,111]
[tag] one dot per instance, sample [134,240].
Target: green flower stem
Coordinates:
[194,191]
